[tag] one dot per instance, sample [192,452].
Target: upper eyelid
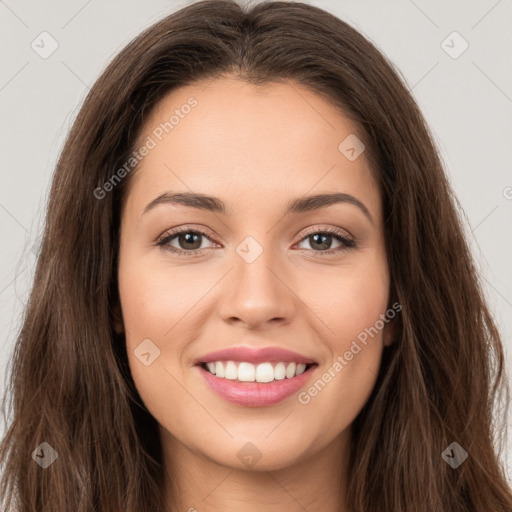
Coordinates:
[332,230]
[171,233]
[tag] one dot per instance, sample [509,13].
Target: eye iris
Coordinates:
[323,242]
[193,238]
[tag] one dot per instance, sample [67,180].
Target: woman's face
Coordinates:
[258,267]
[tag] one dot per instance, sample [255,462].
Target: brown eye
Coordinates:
[189,240]
[183,242]
[321,241]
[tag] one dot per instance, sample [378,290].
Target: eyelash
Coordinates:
[163,242]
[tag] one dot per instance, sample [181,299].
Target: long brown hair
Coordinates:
[440,381]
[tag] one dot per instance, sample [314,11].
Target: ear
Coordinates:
[118,318]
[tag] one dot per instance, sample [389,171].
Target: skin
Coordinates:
[256,148]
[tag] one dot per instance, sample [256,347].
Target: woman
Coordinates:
[323,343]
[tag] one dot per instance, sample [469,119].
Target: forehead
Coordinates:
[251,142]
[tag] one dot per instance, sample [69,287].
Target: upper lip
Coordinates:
[254,355]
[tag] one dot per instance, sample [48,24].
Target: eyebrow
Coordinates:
[297,205]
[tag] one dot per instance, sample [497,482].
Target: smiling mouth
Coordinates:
[242,371]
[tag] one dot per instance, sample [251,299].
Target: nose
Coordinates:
[258,293]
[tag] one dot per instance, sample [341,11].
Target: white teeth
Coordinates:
[248,372]
[264,372]
[290,370]
[219,369]
[279,371]
[231,371]
[301,368]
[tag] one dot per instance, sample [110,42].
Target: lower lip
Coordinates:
[256,394]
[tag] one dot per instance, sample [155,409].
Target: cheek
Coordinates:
[154,299]
[357,308]
[350,299]
[352,307]
[151,304]
[152,307]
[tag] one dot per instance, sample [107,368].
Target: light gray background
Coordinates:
[466,100]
